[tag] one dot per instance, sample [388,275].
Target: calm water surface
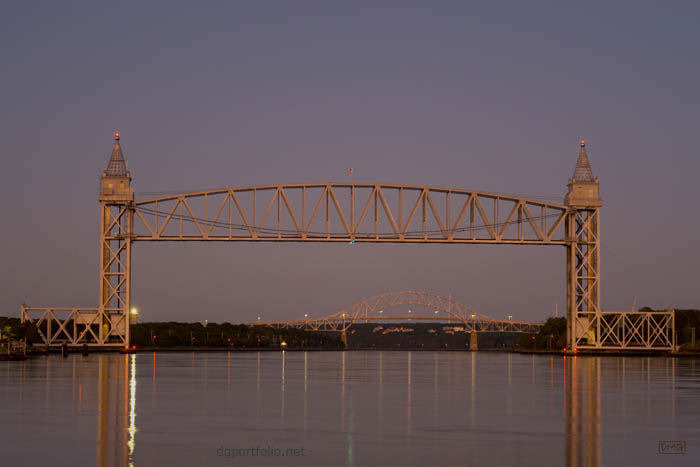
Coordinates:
[347,408]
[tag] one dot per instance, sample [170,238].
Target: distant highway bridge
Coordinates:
[374,309]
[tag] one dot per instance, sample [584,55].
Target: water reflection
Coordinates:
[284,354]
[116,410]
[409,402]
[348,408]
[132,408]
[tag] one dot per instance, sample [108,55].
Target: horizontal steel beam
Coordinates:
[340,240]
[251,188]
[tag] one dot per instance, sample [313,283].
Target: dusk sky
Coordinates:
[490,96]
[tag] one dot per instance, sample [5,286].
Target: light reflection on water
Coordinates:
[348,408]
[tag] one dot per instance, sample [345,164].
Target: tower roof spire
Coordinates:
[583,171]
[116,167]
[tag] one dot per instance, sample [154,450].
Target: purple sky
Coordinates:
[452,94]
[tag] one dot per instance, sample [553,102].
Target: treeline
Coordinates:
[686,321]
[174,334]
[13,328]
[552,336]
[424,335]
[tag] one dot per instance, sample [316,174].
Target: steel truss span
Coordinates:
[349,212]
[372,310]
[72,326]
[619,330]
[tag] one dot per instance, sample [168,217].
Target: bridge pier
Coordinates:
[344,337]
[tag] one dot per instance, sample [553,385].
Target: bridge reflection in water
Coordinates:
[583,412]
[116,410]
[346,408]
[582,404]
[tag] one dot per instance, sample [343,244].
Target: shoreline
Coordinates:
[580,353]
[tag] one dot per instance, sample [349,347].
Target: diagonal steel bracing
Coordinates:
[327,212]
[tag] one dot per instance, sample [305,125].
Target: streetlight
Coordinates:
[133,314]
[510,317]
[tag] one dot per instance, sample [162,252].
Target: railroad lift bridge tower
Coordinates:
[583,255]
[116,221]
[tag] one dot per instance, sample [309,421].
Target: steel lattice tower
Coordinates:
[583,255]
[116,221]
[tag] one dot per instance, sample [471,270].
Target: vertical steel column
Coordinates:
[570,293]
[115,272]
[105,216]
[583,276]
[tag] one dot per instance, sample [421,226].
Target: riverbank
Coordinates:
[600,353]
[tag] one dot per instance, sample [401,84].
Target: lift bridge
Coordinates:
[352,212]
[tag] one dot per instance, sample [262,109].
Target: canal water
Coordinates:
[349,409]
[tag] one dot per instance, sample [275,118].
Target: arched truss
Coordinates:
[349,212]
[373,310]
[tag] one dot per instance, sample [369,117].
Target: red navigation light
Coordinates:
[583,143]
[116,136]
